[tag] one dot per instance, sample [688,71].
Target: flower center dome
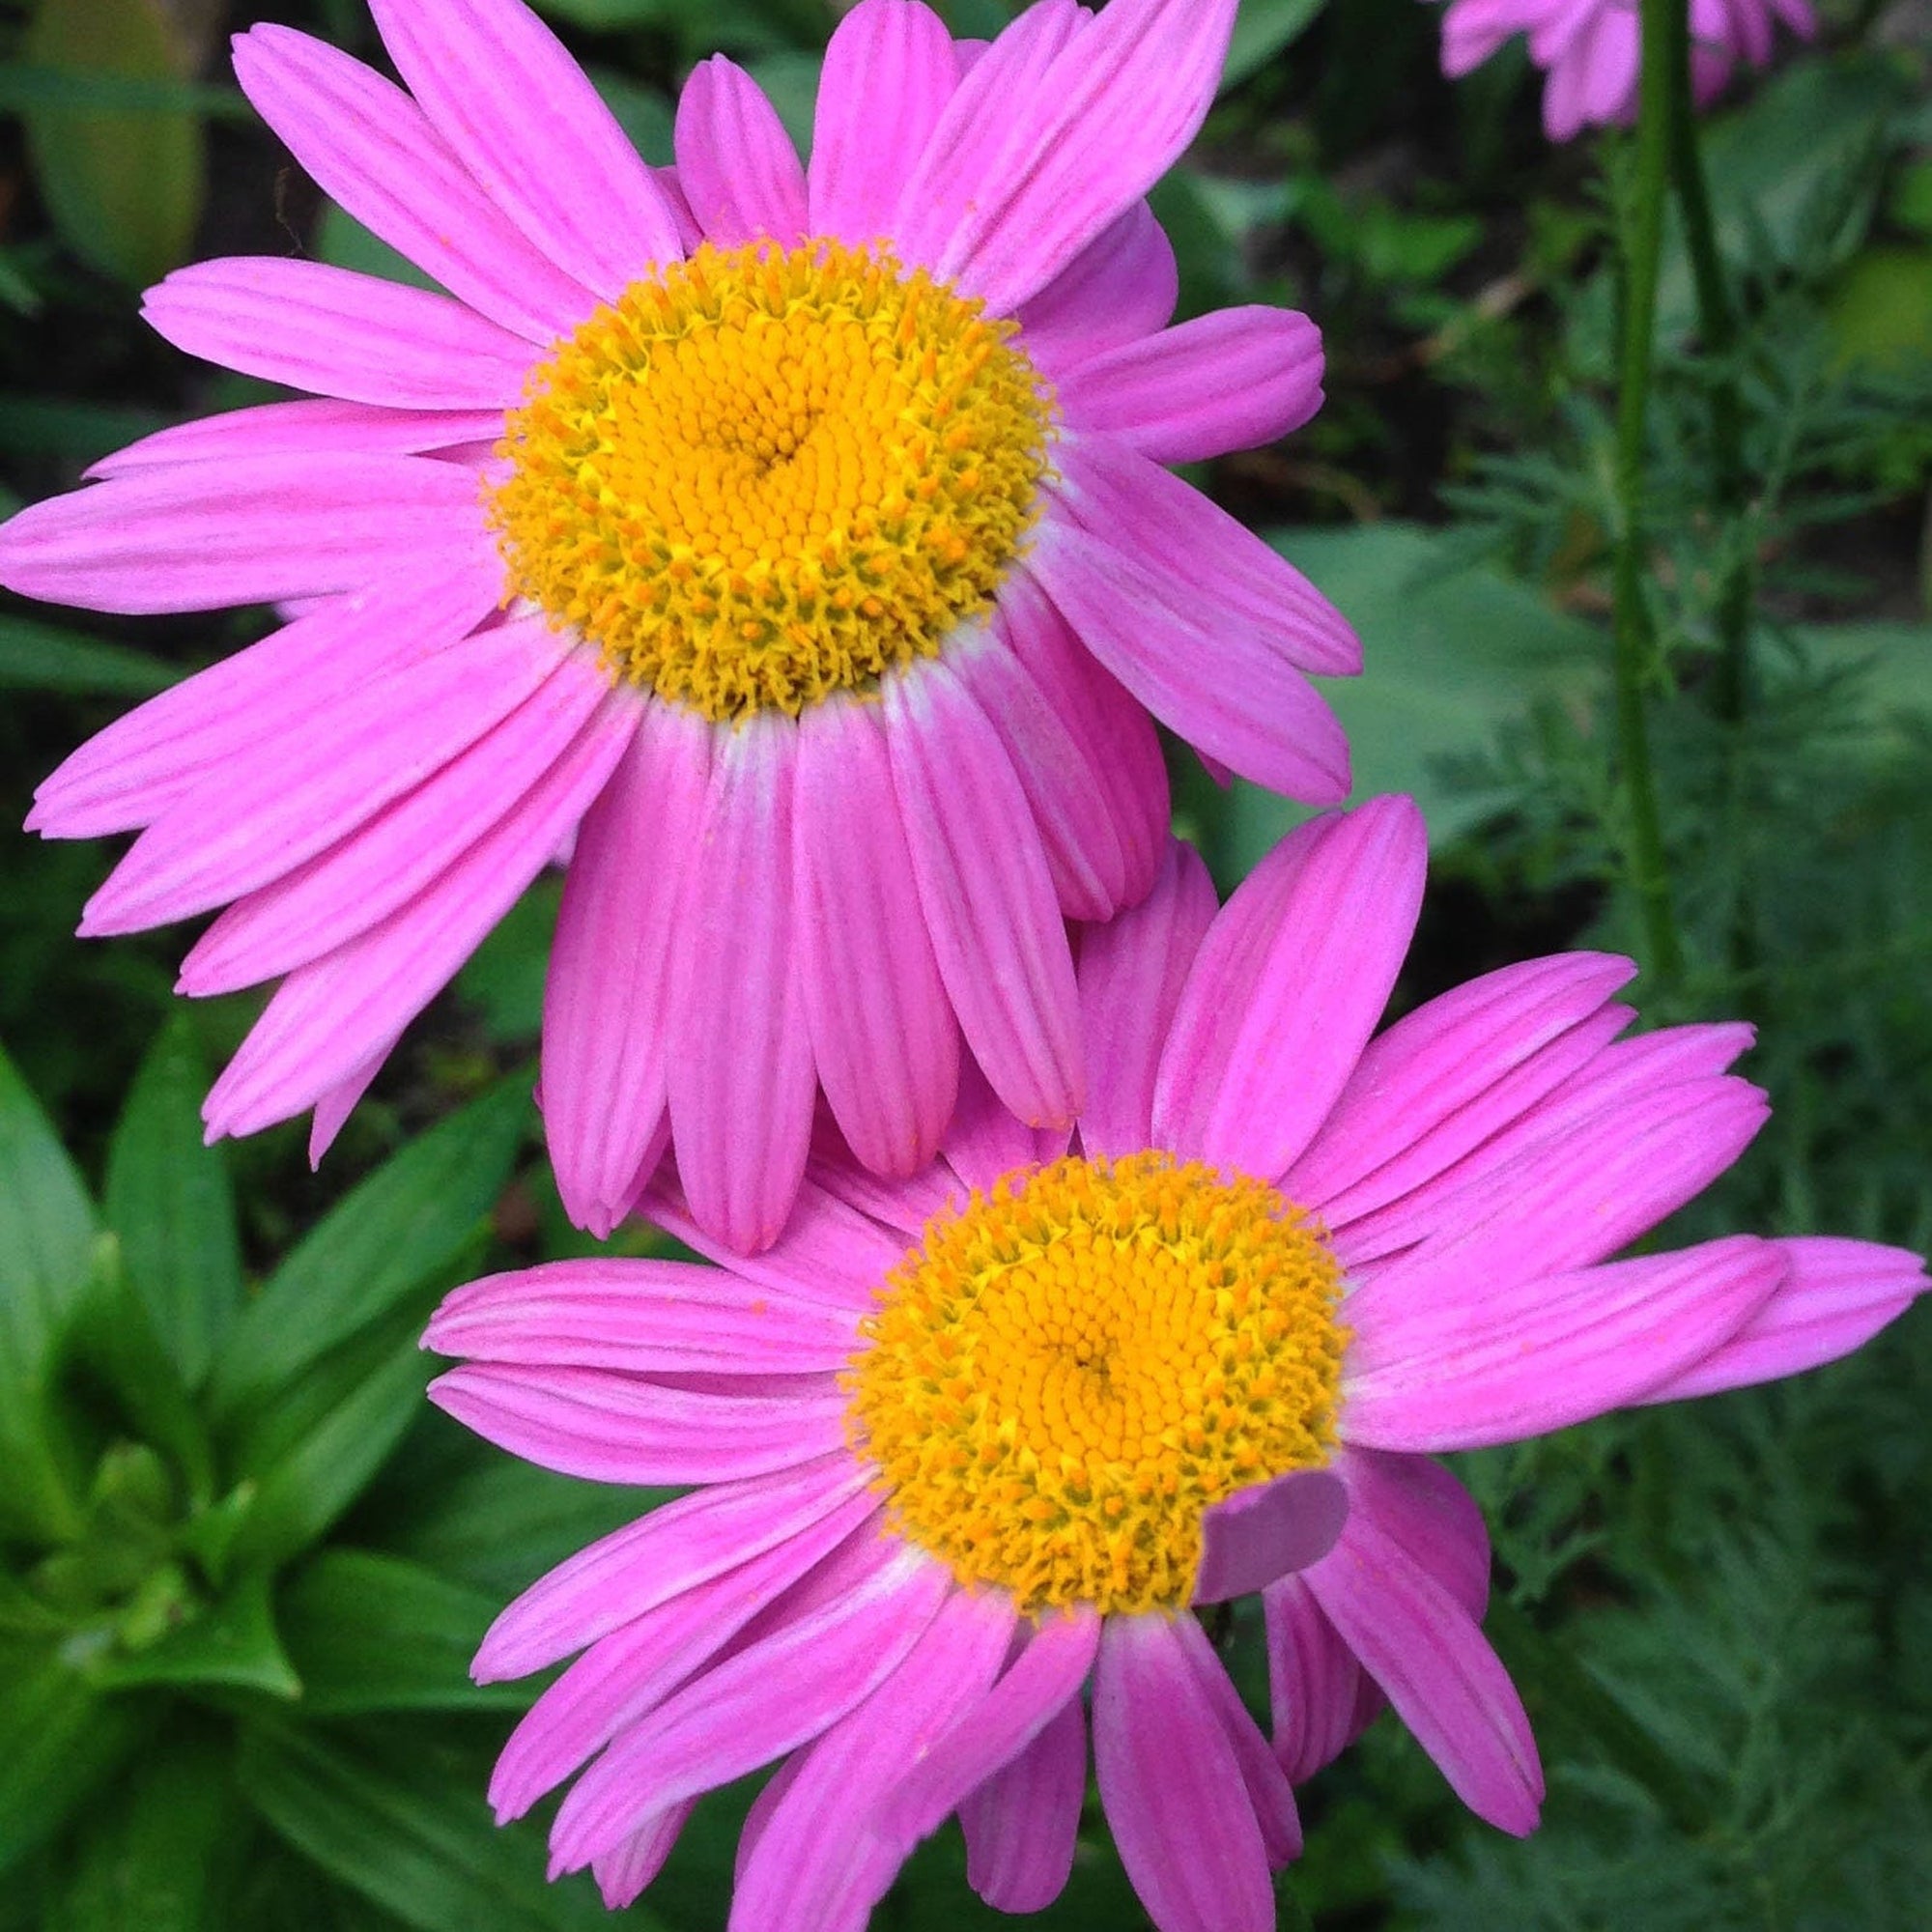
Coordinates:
[1067,1372]
[766,474]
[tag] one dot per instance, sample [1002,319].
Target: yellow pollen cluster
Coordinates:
[768,474]
[1067,1372]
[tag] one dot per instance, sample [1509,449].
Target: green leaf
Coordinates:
[376,1250]
[371,1633]
[231,1642]
[409,1830]
[124,185]
[309,1481]
[169,1200]
[1452,653]
[343,242]
[43,657]
[60,1741]
[46,1254]
[1262,29]
[156,1859]
[1880,310]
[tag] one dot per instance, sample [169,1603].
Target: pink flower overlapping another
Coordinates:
[817,845]
[1464,1177]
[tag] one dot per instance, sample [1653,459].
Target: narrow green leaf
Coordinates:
[370,1633]
[1262,29]
[385,1240]
[233,1642]
[157,1858]
[25,86]
[46,1251]
[411,1831]
[124,185]
[43,657]
[60,1741]
[169,1200]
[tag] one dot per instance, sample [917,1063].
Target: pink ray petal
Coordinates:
[1260,1533]
[626,1870]
[316,424]
[1022,1825]
[371,148]
[736,166]
[1233,379]
[1122,286]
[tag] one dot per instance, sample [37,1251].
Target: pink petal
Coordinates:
[328,1016]
[372,746]
[882,1029]
[314,425]
[370,148]
[1069,808]
[221,720]
[247,531]
[1022,1825]
[1215,687]
[1109,724]
[828,1252]
[736,165]
[1260,1533]
[1425,1649]
[989,900]
[607,1000]
[618,1428]
[1836,1295]
[1445,1077]
[1184,545]
[1317,1687]
[1234,379]
[1288,986]
[728,1722]
[1635,1140]
[984,1144]
[817,1860]
[741,1077]
[500,89]
[623,1873]
[642,1317]
[1120,287]
[1486,1363]
[333,1108]
[1043,1680]
[383,866]
[1267,1786]
[624,1676]
[1173,1784]
[676,1548]
[339,333]
[1131,974]
[888,72]
[1086,135]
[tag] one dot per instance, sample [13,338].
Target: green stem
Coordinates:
[1718,325]
[1642,247]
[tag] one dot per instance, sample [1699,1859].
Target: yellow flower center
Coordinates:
[767,474]
[1067,1372]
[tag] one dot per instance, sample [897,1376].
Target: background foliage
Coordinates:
[241,1566]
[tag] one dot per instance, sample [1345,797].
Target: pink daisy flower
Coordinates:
[968,1442]
[1591,48]
[795,539]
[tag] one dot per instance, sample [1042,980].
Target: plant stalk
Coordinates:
[1642,240]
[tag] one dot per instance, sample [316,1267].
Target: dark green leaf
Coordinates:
[43,657]
[124,185]
[47,1254]
[370,1633]
[412,1831]
[60,1740]
[1262,29]
[157,1858]
[343,242]
[231,1643]
[366,1259]
[306,1482]
[169,1200]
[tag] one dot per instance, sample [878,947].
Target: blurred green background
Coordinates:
[241,1565]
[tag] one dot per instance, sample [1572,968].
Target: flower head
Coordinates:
[967,1442]
[1590,48]
[790,542]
